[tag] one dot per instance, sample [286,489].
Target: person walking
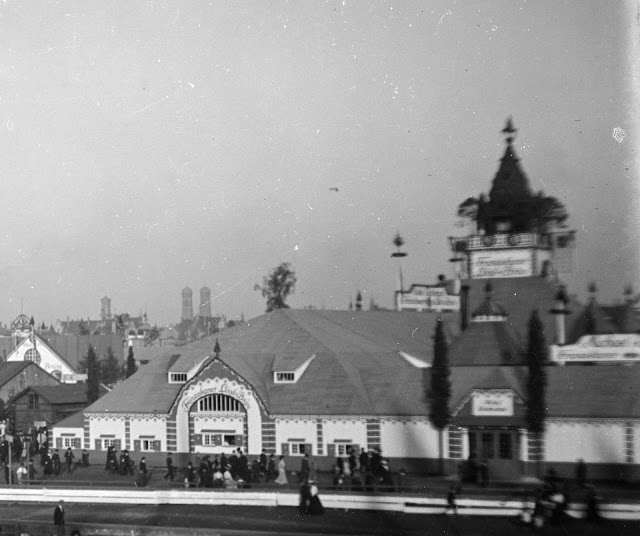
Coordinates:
[303,477]
[21,473]
[142,475]
[68,459]
[170,468]
[451,500]
[55,459]
[271,469]
[58,519]
[32,471]
[282,473]
[85,458]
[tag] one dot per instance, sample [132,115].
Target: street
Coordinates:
[36,519]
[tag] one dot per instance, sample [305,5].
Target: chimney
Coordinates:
[464,307]
[560,311]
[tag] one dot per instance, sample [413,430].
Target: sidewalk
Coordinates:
[95,476]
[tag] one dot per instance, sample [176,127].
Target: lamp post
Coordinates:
[398,241]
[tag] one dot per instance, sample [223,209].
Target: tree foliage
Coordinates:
[537,380]
[110,369]
[131,363]
[93,376]
[277,286]
[440,388]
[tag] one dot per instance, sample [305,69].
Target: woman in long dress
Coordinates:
[282,473]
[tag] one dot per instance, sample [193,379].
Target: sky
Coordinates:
[153,145]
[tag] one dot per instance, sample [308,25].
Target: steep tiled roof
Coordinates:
[591,320]
[147,391]
[488,344]
[466,379]
[74,421]
[519,296]
[593,391]
[11,369]
[74,348]
[357,369]
[65,393]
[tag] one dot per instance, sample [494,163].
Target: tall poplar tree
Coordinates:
[131,363]
[440,388]
[537,380]
[93,376]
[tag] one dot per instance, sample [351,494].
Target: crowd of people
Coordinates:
[364,471]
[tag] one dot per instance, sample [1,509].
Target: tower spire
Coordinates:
[509,131]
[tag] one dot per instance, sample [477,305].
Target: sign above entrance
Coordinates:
[225,388]
[604,348]
[492,403]
[501,263]
[427,298]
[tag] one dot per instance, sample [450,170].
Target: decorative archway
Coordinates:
[217,423]
[218,406]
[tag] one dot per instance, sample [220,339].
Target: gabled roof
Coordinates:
[591,320]
[624,318]
[487,344]
[519,296]
[39,341]
[9,370]
[73,348]
[65,393]
[593,391]
[464,380]
[358,368]
[74,421]
[146,391]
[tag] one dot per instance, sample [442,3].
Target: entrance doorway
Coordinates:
[500,447]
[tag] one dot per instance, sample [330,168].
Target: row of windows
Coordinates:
[222,403]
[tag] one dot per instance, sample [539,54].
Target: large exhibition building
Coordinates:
[326,382]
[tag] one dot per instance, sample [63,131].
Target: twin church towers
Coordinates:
[187,303]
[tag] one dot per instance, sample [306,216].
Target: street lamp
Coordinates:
[398,241]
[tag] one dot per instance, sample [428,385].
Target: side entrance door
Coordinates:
[500,448]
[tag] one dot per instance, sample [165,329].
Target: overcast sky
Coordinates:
[147,146]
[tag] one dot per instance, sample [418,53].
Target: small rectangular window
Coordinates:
[178,377]
[285,377]
[297,449]
[108,443]
[487,445]
[34,402]
[68,442]
[506,446]
[229,440]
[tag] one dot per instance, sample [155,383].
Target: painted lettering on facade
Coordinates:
[501,263]
[223,388]
[492,403]
[616,347]
[428,298]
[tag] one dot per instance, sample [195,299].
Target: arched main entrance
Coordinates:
[217,423]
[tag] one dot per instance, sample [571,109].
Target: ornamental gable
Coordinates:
[218,378]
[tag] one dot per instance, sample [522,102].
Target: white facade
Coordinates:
[34,349]
[593,440]
[410,439]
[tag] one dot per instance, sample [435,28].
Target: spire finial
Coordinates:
[509,130]
[488,288]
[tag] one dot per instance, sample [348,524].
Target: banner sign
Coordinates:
[501,263]
[492,403]
[427,298]
[617,347]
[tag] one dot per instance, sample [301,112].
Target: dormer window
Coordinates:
[285,377]
[178,377]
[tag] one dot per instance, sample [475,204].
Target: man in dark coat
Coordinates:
[58,519]
[55,460]
[68,459]
[263,463]
[170,468]
[304,469]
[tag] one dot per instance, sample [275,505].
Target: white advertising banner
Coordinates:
[501,263]
[492,403]
[428,298]
[617,347]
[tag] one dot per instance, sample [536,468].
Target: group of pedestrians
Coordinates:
[366,471]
